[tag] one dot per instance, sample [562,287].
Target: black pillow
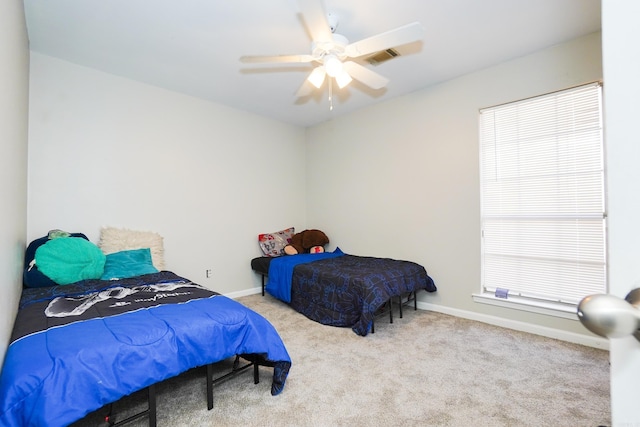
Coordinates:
[261,264]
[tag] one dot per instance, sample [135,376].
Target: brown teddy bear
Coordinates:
[307,241]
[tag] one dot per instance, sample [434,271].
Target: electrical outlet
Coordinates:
[208,273]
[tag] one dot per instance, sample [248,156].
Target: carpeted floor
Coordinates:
[426,369]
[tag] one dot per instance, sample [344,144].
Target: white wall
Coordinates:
[14,87]
[107,151]
[621,64]
[401,179]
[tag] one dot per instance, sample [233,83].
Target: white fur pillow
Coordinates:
[120,239]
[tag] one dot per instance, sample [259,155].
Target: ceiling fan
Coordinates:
[332,52]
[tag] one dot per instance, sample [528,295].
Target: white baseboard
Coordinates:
[590,341]
[238,294]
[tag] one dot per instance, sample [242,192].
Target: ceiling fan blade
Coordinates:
[365,75]
[305,89]
[315,18]
[277,58]
[402,35]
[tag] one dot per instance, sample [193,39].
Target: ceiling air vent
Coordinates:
[382,56]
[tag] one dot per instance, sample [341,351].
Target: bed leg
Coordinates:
[210,386]
[235,370]
[262,284]
[415,300]
[391,310]
[400,305]
[150,411]
[152,405]
[110,419]
[256,372]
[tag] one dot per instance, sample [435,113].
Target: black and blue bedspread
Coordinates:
[344,290]
[78,347]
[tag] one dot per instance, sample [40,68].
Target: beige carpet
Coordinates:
[426,369]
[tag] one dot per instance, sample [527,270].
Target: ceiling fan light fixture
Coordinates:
[343,79]
[333,54]
[316,77]
[332,65]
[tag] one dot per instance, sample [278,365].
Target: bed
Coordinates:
[338,289]
[80,346]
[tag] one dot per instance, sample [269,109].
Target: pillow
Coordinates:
[32,277]
[124,264]
[67,260]
[272,244]
[120,239]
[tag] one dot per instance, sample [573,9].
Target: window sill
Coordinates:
[565,311]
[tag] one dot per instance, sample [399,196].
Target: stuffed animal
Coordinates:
[307,241]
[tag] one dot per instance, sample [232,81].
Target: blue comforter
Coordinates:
[281,272]
[78,347]
[338,289]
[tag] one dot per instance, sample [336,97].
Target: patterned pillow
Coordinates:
[272,244]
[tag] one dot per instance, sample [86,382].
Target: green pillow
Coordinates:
[124,264]
[70,259]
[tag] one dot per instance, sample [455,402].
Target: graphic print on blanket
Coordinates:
[103,302]
[104,340]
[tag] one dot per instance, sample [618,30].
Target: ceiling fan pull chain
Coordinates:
[330,94]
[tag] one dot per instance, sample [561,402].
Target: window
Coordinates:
[542,197]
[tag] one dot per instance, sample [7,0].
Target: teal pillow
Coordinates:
[67,260]
[124,264]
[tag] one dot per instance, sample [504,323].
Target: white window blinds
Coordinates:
[542,196]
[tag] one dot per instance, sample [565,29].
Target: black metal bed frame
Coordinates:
[211,382]
[150,411]
[234,371]
[388,308]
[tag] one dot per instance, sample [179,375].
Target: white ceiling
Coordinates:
[193,46]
